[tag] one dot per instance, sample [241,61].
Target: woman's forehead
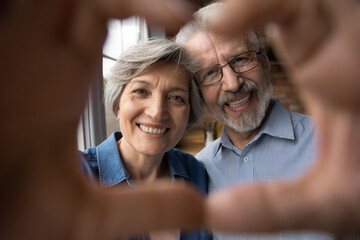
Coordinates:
[170,73]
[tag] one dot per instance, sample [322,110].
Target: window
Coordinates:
[122,34]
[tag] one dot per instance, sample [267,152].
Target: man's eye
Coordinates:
[210,72]
[238,59]
[242,59]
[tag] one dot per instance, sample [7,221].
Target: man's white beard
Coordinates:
[248,120]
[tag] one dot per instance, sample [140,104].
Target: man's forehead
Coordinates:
[207,45]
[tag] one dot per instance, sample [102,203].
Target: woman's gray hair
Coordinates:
[136,59]
[200,22]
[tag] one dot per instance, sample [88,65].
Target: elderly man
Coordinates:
[261,140]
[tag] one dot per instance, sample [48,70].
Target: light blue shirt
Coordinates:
[283,149]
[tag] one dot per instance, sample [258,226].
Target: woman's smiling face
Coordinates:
[154,110]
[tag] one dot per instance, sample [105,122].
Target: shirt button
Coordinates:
[246,159]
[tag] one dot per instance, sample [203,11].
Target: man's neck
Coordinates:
[239,139]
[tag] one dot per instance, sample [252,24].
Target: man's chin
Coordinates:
[242,128]
[244,123]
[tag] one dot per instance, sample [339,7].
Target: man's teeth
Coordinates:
[240,102]
[152,130]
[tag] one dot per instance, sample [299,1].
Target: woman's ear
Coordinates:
[117,113]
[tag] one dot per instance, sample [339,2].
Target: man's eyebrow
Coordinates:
[238,53]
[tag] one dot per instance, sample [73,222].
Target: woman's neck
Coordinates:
[142,168]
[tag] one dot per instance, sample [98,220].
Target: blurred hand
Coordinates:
[50,50]
[319,41]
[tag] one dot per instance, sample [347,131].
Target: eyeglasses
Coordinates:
[240,63]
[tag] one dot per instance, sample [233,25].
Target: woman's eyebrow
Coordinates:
[173,89]
[148,83]
[137,81]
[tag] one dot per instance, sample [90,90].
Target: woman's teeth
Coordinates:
[152,130]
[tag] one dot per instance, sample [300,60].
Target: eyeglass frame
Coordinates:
[257,52]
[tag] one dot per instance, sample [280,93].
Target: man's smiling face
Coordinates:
[239,101]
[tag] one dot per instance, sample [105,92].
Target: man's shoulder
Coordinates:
[300,117]
[208,151]
[301,122]
[295,117]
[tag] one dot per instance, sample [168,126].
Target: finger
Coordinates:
[346,12]
[89,28]
[88,32]
[303,36]
[239,210]
[133,211]
[337,57]
[312,26]
[239,15]
[42,18]
[279,206]
[169,14]
[322,200]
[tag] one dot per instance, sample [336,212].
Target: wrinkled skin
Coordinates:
[319,41]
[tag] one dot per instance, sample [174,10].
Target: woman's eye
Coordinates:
[177,99]
[139,91]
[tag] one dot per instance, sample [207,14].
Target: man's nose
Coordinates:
[231,81]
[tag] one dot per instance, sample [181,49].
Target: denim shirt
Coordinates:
[105,163]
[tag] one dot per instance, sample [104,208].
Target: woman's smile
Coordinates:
[153,130]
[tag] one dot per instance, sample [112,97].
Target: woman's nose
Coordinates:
[157,109]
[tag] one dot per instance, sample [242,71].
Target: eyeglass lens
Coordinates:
[239,64]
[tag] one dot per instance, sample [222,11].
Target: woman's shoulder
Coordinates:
[108,146]
[89,154]
[184,157]
[188,167]
[88,159]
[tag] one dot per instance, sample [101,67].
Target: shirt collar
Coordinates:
[176,166]
[112,170]
[278,124]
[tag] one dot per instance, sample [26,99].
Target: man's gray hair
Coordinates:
[200,22]
[136,59]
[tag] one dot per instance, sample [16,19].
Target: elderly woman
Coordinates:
[152,94]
